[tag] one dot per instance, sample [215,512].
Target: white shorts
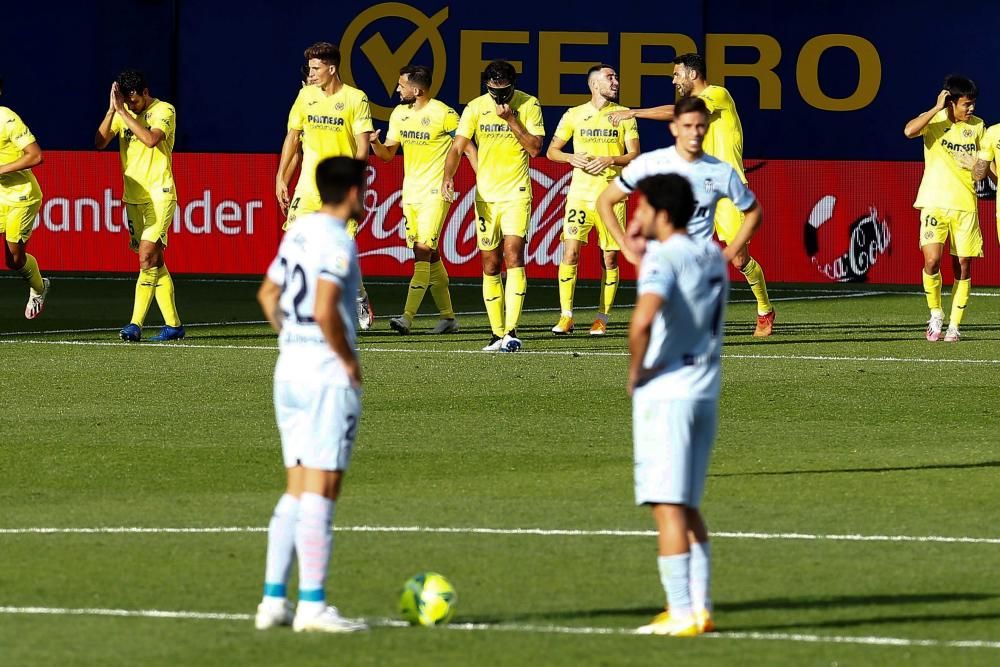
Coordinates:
[318,422]
[673,443]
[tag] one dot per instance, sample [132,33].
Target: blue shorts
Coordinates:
[673,441]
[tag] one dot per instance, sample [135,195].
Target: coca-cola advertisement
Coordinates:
[824,221]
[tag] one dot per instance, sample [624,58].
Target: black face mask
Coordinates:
[501,95]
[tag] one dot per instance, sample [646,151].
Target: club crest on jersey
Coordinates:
[425,121]
[340,264]
[339,106]
[709,185]
[967,132]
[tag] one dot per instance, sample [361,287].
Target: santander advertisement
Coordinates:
[824,222]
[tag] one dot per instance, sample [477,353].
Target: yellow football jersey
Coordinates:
[19,188]
[148,172]
[425,137]
[945,183]
[329,125]
[592,133]
[503,163]
[724,138]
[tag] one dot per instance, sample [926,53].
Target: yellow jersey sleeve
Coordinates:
[530,114]
[392,134]
[470,119]
[564,130]
[18,188]
[362,115]
[163,117]
[295,115]
[631,129]
[945,184]
[989,147]
[451,121]
[716,98]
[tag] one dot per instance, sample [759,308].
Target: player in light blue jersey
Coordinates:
[309,296]
[711,179]
[675,375]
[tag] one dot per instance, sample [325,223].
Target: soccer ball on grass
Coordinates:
[428,599]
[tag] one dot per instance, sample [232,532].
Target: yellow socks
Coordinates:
[145,289]
[165,298]
[932,290]
[32,274]
[567,286]
[418,288]
[609,288]
[440,291]
[755,278]
[493,298]
[517,288]
[959,298]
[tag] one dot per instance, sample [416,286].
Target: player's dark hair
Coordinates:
[131,81]
[671,193]
[692,61]
[598,68]
[500,71]
[959,86]
[418,75]
[336,176]
[324,51]
[689,104]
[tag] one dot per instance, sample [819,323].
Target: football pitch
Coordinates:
[853,491]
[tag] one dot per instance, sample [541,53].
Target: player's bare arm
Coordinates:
[639,332]
[104,134]
[332,325]
[917,125]
[383,151]
[267,297]
[752,219]
[472,154]
[664,112]
[31,156]
[531,143]
[451,163]
[149,138]
[557,154]
[289,149]
[980,169]
[364,141]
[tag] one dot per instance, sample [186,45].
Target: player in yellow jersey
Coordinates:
[20,199]
[600,150]
[146,128]
[723,140]
[507,126]
[989,156]
[947,198]
[328,119]
[424,127]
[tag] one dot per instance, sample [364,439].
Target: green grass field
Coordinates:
[846,441]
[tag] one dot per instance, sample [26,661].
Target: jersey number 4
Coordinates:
[295,274]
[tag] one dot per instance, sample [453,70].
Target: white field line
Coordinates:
[524,628]
[535,532]
[541,353]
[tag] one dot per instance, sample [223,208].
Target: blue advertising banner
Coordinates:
[819,80]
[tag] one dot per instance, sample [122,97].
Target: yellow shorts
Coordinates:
[424,221]
[301,204]
[728,220]
[495,220]
[304,204]
[149,221]
[937,224]
[17,222]
[581,218]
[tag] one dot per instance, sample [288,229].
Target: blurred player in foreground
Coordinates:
[675,375]
[308,296]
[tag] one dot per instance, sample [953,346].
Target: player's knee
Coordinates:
[422,253]
[513,257]
[491,265]
[932,265]
[14,258]
[571,257]
[741,259]
[610,260]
